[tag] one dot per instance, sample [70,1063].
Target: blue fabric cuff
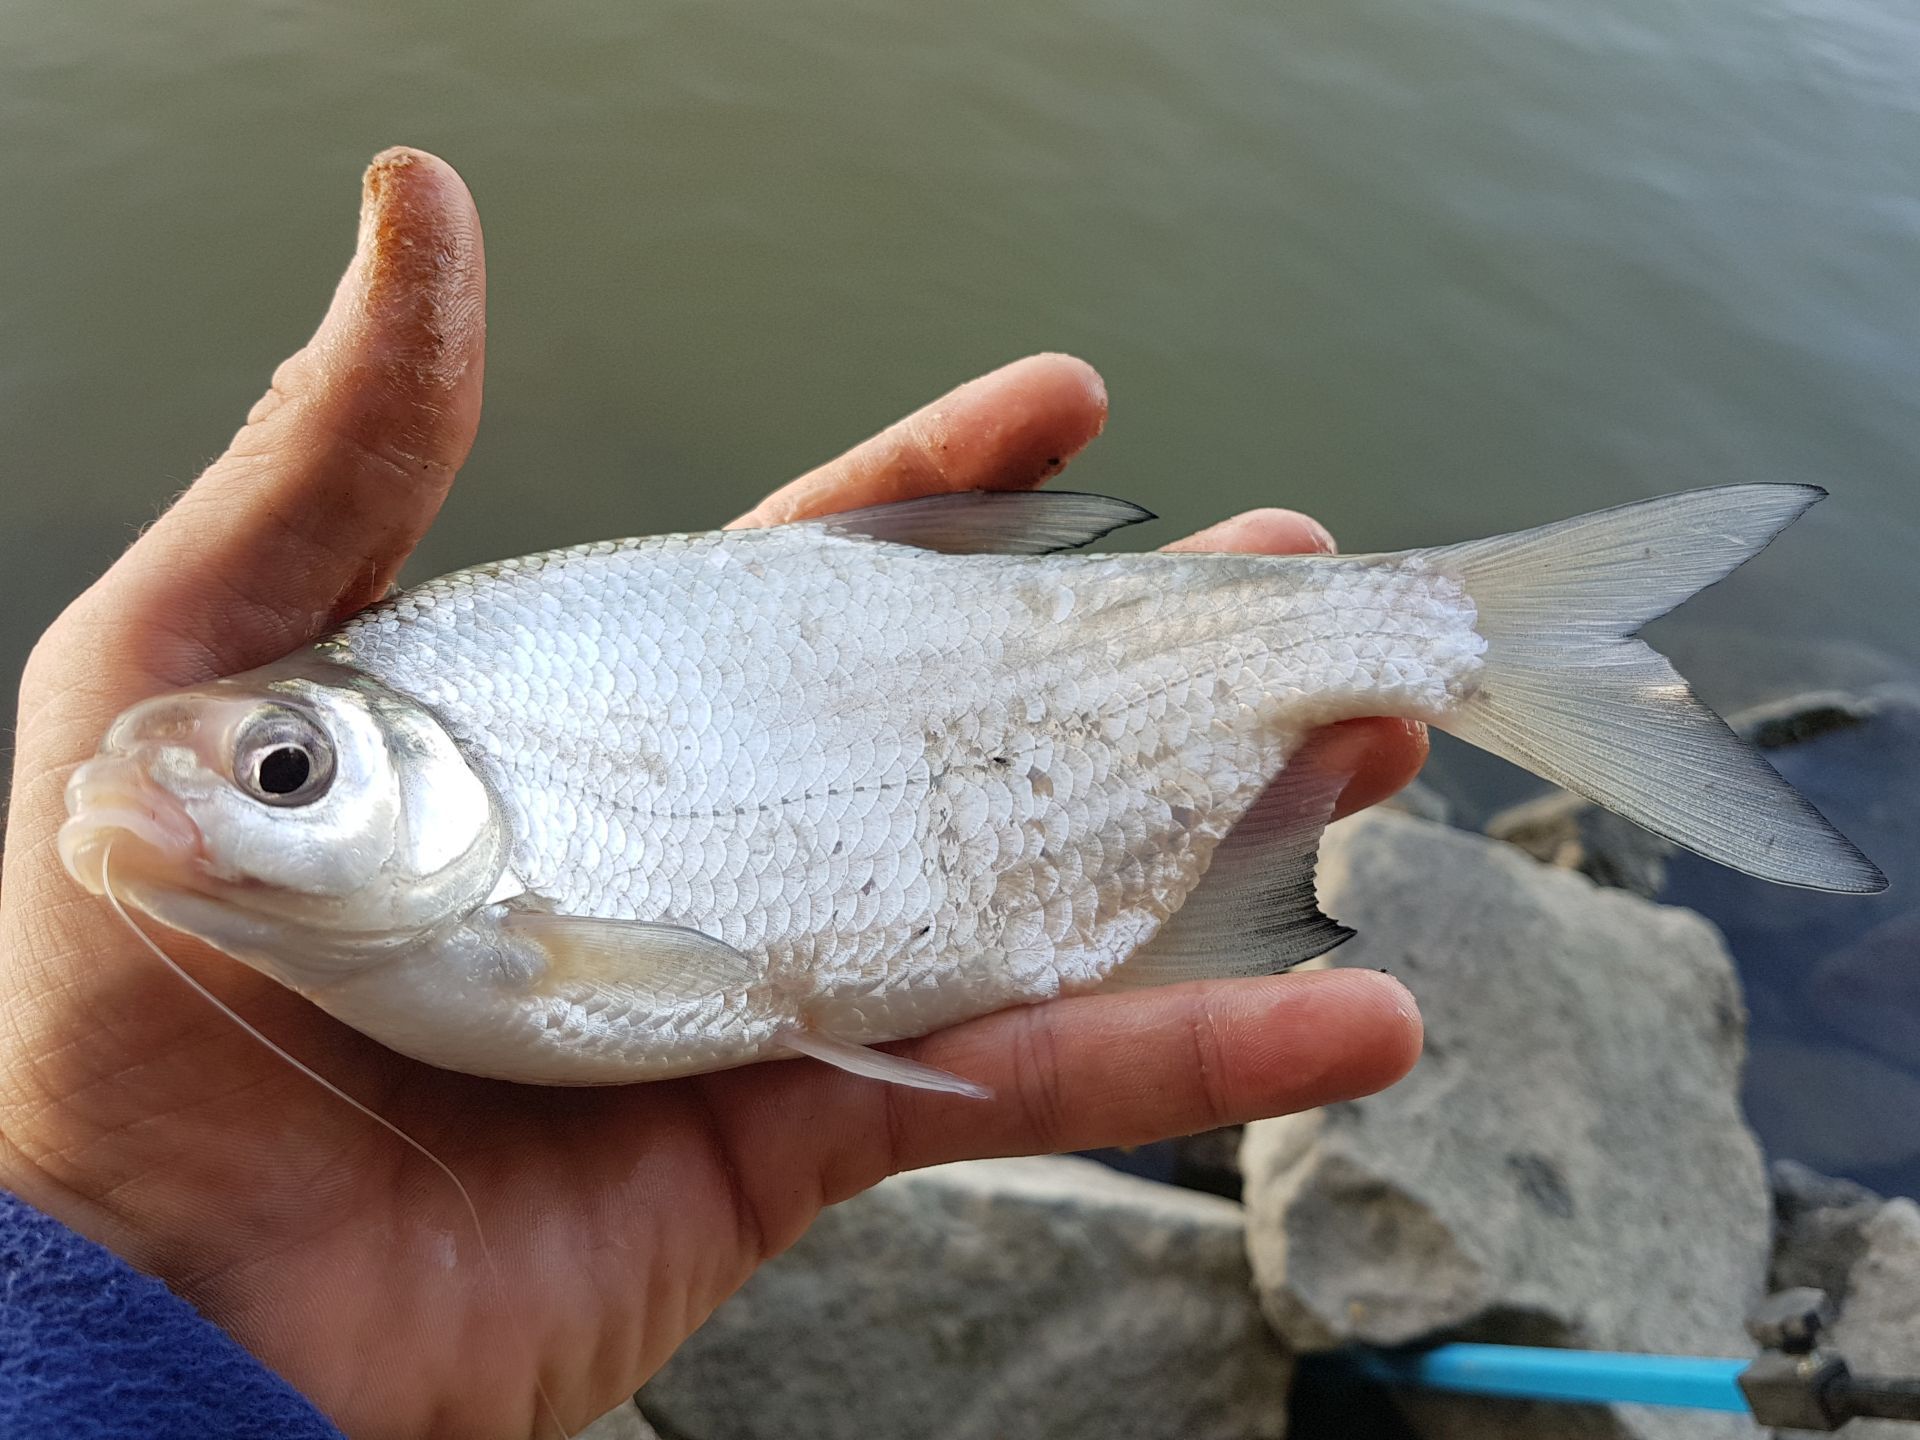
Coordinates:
[90,1349]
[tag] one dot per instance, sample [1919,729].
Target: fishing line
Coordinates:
[473,1213]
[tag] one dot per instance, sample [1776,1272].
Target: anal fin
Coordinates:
[1254,912]
[879,1065]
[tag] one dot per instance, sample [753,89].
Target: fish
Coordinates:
[656,807]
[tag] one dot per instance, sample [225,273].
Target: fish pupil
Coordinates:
[284,770]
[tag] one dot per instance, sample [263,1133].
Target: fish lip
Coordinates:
[112,804]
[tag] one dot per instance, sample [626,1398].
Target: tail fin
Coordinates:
[1569,693]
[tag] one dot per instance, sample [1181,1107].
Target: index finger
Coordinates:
[1081,1074]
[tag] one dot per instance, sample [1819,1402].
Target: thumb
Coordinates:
[341,466]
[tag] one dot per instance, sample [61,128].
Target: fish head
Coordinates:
[302,818]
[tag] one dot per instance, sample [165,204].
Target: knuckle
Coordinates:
[1209,1068]
[50,669]
[894,1150]
[1039,1083]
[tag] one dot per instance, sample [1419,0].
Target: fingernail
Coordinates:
[1096,384]
[1322,538]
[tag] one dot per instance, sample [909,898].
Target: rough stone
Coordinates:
[1796,719]
[1817,1228]
[1422,801]
[992,1300]
[1568,1163]
[1567,831]
[624,1422]
[1878,1330]
[1864,1251]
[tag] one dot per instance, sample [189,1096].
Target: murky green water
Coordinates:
[1430,268]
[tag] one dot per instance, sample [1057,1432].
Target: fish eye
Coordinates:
[282,758]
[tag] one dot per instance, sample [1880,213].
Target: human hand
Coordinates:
[618,1218]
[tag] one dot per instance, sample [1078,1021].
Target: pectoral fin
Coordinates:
[878,1065]
[668,961]
[672,963]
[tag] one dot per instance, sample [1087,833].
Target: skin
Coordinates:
[619,1219]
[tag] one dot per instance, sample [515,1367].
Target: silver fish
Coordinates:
[656,807]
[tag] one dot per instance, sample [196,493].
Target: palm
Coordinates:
[617,1219]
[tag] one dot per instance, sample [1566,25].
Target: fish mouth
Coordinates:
[112,804]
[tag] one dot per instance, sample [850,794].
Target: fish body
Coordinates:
[663,806]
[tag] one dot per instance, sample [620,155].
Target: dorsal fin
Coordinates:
[992,522]
[1254,912]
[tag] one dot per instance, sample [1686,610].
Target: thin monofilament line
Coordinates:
[473,1213]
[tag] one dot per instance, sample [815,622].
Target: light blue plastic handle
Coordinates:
[1597,1376]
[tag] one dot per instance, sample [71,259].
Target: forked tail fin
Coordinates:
[1572,695]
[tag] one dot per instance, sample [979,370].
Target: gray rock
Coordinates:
[625,1422]
[1567,1164]
[1572,833]
[1817,1228]
[1796,719]
[993,1300]
[1864,1251]
[1422,801]
[1878,1330]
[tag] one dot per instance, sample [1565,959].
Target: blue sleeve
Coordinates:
[90,1349]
